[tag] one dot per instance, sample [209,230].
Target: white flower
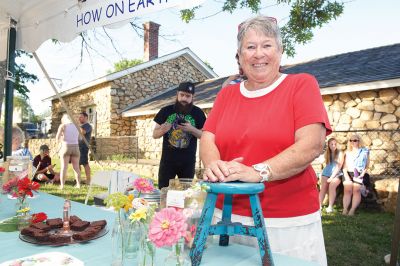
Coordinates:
[138,203]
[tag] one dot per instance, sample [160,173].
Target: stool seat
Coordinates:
[226,228]
[235,188]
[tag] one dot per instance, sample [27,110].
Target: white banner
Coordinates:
[104,12]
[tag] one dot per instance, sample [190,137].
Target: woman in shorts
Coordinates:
[68,135]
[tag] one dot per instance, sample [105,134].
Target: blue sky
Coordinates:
[364,24]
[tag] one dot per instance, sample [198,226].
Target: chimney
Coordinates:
[150,40]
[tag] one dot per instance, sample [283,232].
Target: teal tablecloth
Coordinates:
[98,252]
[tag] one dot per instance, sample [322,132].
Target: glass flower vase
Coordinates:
[132,238]
[178,256]
[21,206]
[147,250]
[22,211]
[117,242]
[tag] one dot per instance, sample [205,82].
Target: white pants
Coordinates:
[299,241]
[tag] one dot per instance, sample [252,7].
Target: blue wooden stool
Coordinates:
[226,227]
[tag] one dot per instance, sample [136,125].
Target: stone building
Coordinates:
[104,98]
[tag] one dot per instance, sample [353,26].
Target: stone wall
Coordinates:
[375,116]
[110,98]
[98,96]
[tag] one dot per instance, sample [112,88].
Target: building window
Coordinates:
[91,111]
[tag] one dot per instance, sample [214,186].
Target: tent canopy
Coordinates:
[40,20]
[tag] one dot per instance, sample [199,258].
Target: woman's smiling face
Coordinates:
[259,56]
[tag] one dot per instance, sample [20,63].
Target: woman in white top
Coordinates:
[68,136]
[354,171]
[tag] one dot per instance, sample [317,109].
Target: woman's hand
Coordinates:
[216,171]
[222,171]
[241,172]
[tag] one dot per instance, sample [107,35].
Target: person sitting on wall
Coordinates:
[44,168]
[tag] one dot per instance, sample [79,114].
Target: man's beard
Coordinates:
[183,109]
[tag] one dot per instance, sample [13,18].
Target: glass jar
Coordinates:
[22,211]
[18,166]
[147,250]
[117,241]
[178,256]
[179,184]
[133,234]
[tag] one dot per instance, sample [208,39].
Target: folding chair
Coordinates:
[102,179]
[114,181]
[120,181]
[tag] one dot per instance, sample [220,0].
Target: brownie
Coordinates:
[29,231]
[73,219]
[55,223]
[85,235]
[79,225]
[101,223]
[96,229]
[41,226]
[59,239]
[41,236]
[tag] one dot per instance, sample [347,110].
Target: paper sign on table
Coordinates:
[176,198]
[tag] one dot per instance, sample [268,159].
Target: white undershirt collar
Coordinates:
[261,92]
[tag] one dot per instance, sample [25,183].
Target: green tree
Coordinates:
[22,77]
[305,15]
[26,110]
[124,64]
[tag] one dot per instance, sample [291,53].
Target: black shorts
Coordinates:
[168,170]
[83,159]
[49,176]
[364,181]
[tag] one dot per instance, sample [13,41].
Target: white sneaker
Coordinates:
[329,209]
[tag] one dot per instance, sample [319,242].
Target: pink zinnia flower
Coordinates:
[143,185]
[167,227]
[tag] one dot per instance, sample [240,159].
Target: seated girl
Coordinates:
[44,168]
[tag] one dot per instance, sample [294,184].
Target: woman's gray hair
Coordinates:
[17,134]
[266,25]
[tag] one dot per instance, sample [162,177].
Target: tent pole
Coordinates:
[63,104]
[9,97]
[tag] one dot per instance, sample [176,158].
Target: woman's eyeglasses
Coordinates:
[354,140]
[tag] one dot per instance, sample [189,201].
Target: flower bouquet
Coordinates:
[20,189]
[140,216]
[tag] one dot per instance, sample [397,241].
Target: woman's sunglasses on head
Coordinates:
[354,140]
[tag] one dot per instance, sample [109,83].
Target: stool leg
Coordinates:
[261,231]
[226,217]
[200,239]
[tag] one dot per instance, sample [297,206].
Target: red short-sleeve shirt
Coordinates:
[260,128]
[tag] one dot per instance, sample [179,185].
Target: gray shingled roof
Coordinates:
[205,92]
[375,64]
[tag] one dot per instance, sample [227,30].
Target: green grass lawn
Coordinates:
[363,239]
[69,191]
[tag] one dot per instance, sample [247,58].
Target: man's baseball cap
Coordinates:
[186,87]
[44,147]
